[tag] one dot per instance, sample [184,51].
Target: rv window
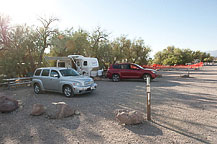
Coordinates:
[85,63]
[61,64]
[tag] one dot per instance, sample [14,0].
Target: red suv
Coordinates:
[116,72]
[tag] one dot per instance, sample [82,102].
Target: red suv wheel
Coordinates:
[115,78]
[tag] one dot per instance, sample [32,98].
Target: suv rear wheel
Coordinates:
[37,88]
[115,78]
[68,92]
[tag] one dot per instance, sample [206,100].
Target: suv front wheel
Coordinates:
[68,92]
[115,78]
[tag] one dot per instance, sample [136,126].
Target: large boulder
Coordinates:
[184,76]
[8,104]
[37,109]
[59,110]
[129,117]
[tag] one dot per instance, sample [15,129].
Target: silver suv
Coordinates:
[63,80]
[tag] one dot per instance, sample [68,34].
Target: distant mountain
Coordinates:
[213,53]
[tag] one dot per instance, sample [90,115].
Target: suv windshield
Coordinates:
[138,66]
[69,72]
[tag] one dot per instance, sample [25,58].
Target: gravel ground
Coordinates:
[184,110]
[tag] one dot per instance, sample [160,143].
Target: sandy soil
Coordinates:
[184,110]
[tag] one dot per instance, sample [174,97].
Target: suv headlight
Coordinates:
[76,84]
[154,71]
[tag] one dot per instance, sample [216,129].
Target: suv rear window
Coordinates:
[125,66]
[116,67]
[37,73]
[45,72]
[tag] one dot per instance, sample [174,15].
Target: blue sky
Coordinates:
[161,23]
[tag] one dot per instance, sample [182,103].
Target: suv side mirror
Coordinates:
[56,76]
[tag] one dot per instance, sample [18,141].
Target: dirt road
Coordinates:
[184,110]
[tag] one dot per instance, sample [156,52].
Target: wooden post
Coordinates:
[148,91]
[188,72]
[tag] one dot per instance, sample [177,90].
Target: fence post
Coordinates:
[148,92]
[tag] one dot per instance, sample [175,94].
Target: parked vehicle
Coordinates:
[84,65]
[116,72]
[62,80]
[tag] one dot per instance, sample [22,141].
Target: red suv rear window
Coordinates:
[116,67]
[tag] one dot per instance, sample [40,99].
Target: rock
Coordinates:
[37,109]
[129,117]
[60,110]
[8,104]
[184,75]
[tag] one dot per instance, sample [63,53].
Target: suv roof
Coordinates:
[121,63]
[55,68]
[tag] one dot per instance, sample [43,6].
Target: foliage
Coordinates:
[4,32]
[125,50]
[22,47]
[96,44]
[45,34]
[19,57]
[177,56]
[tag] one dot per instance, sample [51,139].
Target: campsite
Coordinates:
[183,110]
[108,71]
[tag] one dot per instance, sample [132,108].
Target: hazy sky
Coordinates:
[161,23]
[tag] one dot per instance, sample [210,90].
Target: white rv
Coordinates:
[84,65]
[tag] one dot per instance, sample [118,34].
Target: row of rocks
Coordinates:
[62,110]
[54,111]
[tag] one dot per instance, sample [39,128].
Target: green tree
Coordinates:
[140,52]
[187,56]
[20,57]
[171,56]
[45,34]
[70,42]
[126,50]
[121,48]
[97,39]
[60,43]
[176,56]
[4,32]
